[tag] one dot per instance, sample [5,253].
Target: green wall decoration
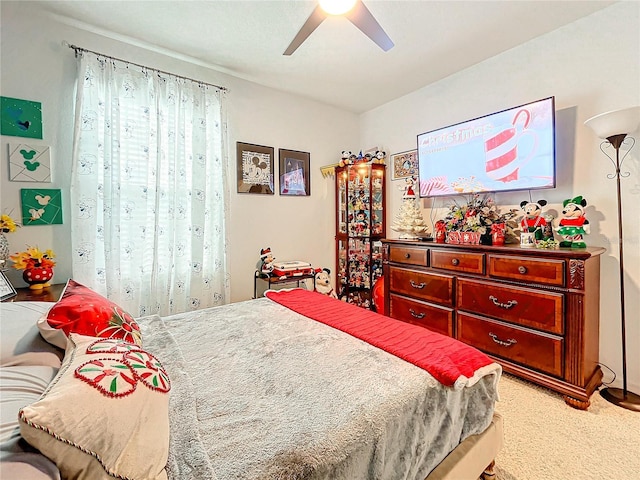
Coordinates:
[20,118]
[41,206]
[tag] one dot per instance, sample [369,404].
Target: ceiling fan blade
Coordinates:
[315,19]
[362,18]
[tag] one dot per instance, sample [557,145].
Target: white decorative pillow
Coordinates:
[20,341]
[106,414]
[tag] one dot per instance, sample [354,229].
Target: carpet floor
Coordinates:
[545,439]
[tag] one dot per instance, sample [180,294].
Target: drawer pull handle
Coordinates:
[417,285]
[522,270]
[407,256]
[455,262]
[416,315]
[506,306]
[504,343]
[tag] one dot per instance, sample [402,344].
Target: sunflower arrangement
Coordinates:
[7,224]
[33,257]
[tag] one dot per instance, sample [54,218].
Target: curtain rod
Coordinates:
[80,49]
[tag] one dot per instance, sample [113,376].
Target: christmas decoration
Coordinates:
[409,221]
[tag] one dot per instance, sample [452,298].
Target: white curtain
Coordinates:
[149,190]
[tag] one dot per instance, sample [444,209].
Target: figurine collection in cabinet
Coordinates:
[360,225]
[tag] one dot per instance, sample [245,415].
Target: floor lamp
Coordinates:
[614,127]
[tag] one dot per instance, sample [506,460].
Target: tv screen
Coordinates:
[512,149]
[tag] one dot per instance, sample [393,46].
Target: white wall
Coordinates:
[36,66]
[590,66]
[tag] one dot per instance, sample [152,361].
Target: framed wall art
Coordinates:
[29,163]
[20,118]
[295,172]
[41,206]
[404,164]
[6,289]
[255,168]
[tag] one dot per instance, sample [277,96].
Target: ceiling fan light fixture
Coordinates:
[337,7]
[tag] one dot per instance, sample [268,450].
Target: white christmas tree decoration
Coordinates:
[409,221]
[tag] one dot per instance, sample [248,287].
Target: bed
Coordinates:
[259,389]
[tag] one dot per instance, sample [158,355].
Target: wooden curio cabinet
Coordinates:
[360,225]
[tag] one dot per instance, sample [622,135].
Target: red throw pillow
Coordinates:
[83,311]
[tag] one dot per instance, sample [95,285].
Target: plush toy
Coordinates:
[323,283]
[533,221]
[265,264]
[379,157]
[345,155]
[573,224]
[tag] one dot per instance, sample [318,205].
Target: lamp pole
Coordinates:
[623,398]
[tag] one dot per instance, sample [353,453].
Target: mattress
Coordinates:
[260,391]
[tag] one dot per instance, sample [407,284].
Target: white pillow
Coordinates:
[19,386]
[20,341]
[107,410]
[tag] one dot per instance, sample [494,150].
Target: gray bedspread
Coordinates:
[261,392]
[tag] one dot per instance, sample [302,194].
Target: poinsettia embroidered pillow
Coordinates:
[81,310]
[106,413]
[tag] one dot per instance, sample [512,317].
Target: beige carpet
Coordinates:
[545,439]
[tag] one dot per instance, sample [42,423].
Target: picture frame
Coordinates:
[29,163]
[255,168]
[20,118]
[295,173]
[404,164]
[6,289]
[41,206]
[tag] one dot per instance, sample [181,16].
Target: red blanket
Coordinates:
[448,360]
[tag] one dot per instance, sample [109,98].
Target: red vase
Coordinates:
[497,238]
[38,277]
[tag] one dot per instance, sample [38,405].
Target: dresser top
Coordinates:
[510,249]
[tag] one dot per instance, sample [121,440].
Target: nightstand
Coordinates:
[49,294]
[274,280]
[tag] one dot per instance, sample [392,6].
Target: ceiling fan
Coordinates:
[354,10]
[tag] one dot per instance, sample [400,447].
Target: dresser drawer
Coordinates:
[525,269]
[538,309]
[409,255]
[467,262]
[433,317]
[536,350]
[431,287]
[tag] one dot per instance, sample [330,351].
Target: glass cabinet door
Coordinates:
[377,202]
[360,224]
[341,197]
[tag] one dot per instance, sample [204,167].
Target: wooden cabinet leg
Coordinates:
[575,403]
[489,472]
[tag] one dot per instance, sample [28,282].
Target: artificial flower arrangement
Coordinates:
[7,224]
[481,214]
[33,257]
[37,266]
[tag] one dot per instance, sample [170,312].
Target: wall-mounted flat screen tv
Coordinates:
[512,149]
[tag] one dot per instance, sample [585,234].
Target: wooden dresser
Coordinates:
[534,311]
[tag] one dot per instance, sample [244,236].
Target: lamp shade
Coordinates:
[615,122]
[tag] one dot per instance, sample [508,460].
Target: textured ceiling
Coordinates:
[337,64]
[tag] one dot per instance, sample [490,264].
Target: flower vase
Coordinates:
[4,249]
[38,277]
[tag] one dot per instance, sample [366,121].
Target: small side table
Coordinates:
[49,294]
[273,280]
